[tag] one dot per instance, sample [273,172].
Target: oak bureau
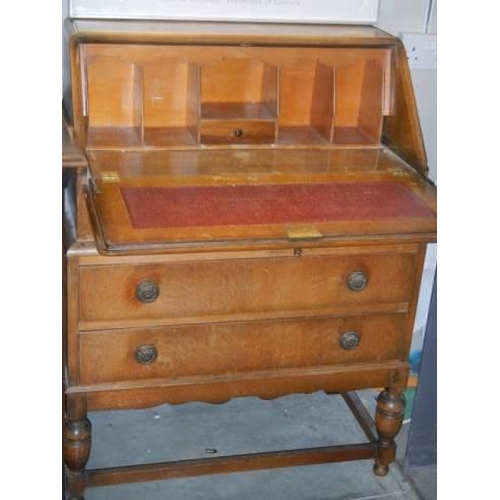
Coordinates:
[246,213]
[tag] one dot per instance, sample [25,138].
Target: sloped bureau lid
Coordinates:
[159,213]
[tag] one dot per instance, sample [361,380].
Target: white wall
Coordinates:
[340,11]
[396,16]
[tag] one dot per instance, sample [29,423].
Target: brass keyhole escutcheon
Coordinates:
[146,354]
[147,291]
[357,281]
[349,340]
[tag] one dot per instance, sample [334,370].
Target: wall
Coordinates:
[398,16]
[353,11]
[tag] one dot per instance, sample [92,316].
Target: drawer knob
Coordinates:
[349,340]
[147,291]
[146,354]
[357,281]
[238,132]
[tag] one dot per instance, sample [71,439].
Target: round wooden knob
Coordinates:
[357,281]
[350,340]
[146,354]
[147,291]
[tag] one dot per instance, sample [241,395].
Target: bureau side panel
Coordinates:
[71,339]
[416,282]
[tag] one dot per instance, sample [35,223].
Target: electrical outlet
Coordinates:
[421,50]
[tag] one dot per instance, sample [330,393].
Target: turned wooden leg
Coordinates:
[76,446]
[388,420]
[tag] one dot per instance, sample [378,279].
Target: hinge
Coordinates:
[110,176]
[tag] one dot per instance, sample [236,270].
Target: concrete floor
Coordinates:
[247,425]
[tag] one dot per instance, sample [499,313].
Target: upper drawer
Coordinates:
[238,288]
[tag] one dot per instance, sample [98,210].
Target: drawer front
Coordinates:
[217,290]
[229,348]
[237,131]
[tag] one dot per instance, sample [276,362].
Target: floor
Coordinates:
[243,425]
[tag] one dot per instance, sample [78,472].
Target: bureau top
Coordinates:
[161,31]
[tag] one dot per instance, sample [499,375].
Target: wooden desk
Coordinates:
[251,219]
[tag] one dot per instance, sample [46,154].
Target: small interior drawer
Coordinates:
[222,349]
[237,131]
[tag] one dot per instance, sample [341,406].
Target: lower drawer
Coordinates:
[225,348]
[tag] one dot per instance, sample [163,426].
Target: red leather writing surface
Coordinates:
[165,207]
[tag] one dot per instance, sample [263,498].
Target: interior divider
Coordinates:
[183,102]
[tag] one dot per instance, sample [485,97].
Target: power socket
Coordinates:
[421,50]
